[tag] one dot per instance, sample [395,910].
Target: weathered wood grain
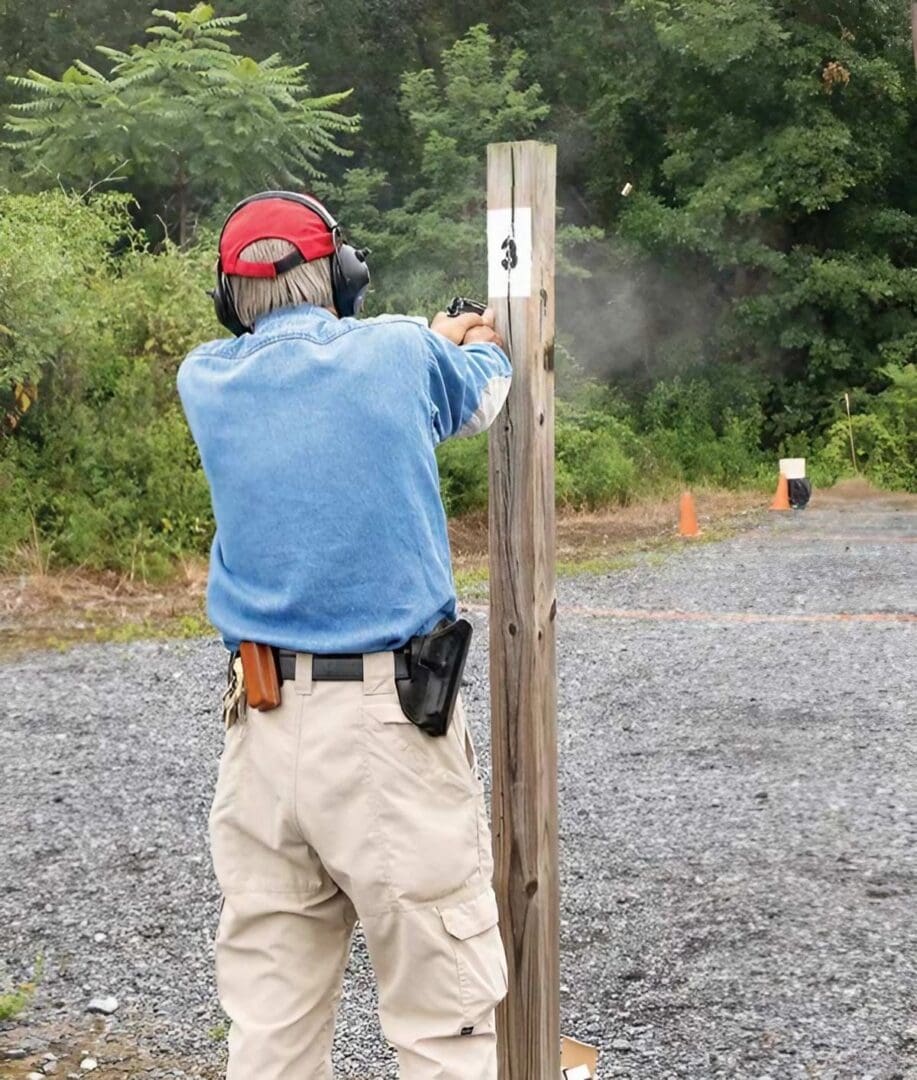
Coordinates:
[522,646]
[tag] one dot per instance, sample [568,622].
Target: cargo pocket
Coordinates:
[479,957]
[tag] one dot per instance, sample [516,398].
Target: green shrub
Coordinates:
[53,248]
[18,499]
[593,463]
[708,428]
[884,436]
[592,468]
[103,463]
[463,474]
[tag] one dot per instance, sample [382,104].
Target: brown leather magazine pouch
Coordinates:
[262,680]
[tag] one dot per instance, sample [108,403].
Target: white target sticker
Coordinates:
[509,252]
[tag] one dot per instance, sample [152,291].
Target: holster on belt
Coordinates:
[437,661]
[262,679]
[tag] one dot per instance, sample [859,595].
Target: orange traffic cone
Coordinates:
[782,494]
[687,519]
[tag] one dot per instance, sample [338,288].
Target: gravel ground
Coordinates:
[738,824]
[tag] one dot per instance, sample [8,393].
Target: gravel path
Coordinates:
[738,823]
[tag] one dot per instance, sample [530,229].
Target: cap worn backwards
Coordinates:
[279,219]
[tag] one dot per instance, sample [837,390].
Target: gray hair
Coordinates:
[308,283]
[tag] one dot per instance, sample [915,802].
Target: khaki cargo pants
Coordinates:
[334,808]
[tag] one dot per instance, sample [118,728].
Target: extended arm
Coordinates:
[468,385]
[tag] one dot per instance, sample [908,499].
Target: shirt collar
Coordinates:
[276,320]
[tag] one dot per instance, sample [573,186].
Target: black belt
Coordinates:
[336,668]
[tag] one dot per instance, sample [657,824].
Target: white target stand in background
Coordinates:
[800,489]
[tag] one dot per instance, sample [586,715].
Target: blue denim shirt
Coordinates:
[317,436]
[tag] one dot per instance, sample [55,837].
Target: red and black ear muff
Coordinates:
[349,270]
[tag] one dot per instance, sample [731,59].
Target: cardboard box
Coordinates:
[793,468]
[578,1061]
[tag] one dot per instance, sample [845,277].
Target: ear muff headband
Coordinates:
[349,272]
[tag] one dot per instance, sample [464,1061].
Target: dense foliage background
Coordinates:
[762,265]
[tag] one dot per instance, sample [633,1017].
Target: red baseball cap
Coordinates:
[276,219]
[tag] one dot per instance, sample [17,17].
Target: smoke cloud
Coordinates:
[632,317]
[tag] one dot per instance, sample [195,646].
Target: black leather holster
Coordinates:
[436,663]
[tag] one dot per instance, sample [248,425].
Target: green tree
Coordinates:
[768,144]
[47,34]
[183,118]
[433,242]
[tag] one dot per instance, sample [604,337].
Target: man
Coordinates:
[317,434]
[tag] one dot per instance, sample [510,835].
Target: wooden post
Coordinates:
[520,241]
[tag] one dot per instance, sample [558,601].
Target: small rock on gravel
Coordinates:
[106,1005]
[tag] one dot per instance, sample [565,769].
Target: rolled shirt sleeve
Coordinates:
[468,386]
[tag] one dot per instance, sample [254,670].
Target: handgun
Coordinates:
[461,305]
